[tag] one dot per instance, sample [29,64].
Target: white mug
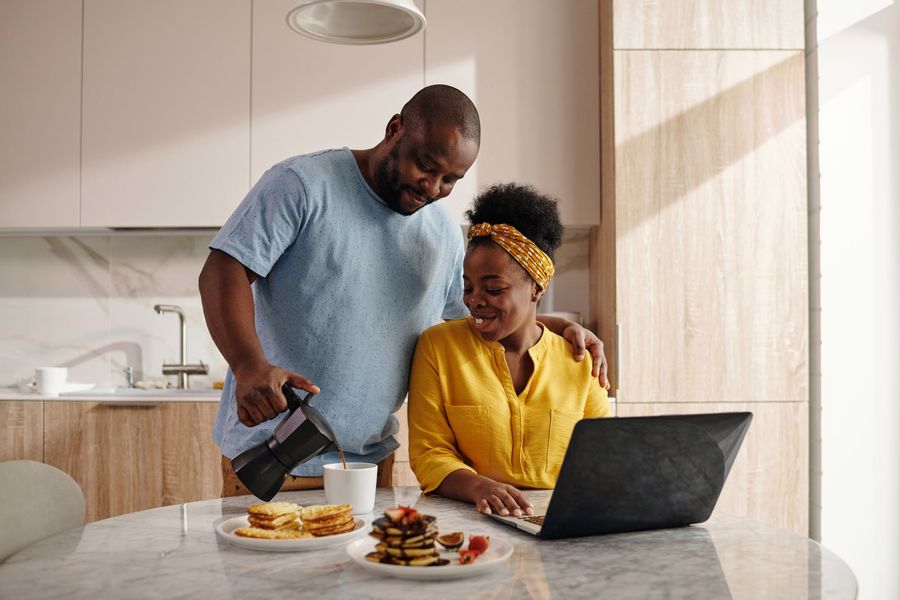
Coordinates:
[51,381]
[354,485]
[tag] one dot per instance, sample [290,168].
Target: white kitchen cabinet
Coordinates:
[310,95]
[166,109]
[532,68]
[40,115]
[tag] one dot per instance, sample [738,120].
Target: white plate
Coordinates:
[225,530]
[497,553]
[78,387]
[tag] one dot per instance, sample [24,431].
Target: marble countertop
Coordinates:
[117,395]
[173,552]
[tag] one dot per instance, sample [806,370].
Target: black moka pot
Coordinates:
[302,434]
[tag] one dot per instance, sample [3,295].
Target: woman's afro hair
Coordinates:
[534,214]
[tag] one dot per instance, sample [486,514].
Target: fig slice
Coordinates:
[451,541]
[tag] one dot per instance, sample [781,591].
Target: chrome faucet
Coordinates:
[182,369]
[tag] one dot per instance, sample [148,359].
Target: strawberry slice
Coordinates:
[478,543]
[394,514]
[467,556]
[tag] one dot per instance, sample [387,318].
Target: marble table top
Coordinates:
[173,552]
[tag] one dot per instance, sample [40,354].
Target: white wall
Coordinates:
[856,212]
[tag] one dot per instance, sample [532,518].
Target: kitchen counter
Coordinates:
[117,395]
[173,552]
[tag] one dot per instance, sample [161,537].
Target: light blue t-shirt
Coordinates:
[345,287]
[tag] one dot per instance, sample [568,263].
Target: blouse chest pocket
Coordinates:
[562,423]
[472,429]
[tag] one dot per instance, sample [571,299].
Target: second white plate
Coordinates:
[225,530]
[497,554]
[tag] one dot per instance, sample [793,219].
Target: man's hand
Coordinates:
[258,392]
[584,339]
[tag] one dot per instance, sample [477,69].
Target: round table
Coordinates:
[173,552]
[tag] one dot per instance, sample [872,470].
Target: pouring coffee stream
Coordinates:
[301,435]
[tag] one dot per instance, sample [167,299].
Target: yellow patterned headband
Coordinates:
[524,251]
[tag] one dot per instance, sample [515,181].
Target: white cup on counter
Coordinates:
[354,485]
[51,381]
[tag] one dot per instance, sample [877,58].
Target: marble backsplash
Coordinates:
[86,302]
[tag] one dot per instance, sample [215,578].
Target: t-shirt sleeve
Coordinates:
[266,222]
[454,307]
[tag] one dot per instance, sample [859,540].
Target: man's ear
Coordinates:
[394,127]
[536,293]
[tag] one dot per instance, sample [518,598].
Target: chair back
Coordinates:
[36,501]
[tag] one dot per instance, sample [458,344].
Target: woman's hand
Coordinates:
[494,497]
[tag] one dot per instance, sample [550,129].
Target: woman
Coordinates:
[493,398]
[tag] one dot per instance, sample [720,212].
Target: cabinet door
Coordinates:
[710,226]
[190,461]
[310,95]
[113,452]
[166,112]
[40,113]
[532,69]
[23,432]
[769,480]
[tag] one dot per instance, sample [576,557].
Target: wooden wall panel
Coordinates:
[23,430]
[716,24]
[111,451]
[710,185]
[769,481]
[191,461]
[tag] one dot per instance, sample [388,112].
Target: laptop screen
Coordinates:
[636,473]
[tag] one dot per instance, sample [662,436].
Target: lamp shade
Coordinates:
[356,21]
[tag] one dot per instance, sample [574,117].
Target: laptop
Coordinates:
[638,473]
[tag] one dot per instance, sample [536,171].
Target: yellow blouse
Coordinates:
[465,414]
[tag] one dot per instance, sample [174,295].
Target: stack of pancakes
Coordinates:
[327,519]
[406,537]
[273,521]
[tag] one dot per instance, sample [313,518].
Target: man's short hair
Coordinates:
[446,105]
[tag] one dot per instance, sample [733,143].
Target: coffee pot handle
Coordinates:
[293,401]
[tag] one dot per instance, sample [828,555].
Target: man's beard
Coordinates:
[387,178]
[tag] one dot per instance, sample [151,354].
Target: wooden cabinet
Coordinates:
[190,462]
[694,24]
[166,105]
[699,265]
[23,430]
[129,457]
[531,67]
[310,95]
[40,113]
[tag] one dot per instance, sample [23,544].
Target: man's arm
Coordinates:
[228,307]
[581,339]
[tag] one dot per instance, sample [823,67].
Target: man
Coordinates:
[330,268]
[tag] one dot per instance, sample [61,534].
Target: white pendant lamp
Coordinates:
[356,21]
